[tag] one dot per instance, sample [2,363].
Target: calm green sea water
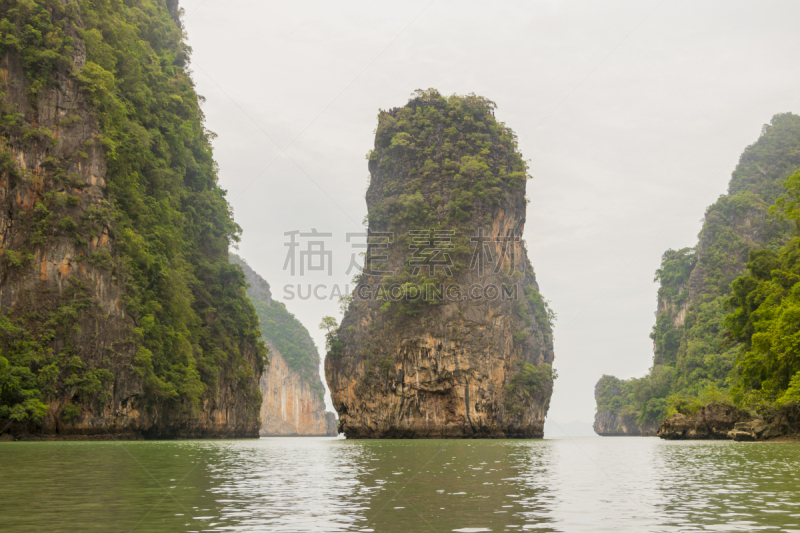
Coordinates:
[328,485]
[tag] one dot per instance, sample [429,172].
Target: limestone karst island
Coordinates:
[303,267]
[431,365]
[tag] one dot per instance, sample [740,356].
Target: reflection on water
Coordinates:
[329,485]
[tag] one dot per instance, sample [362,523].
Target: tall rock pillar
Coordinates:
[447,334]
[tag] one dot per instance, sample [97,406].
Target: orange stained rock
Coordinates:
[64,267]
[289,406]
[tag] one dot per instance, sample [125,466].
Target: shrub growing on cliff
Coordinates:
[440,163]
[70,412]
[20,397]
[766,317]
[526,383]
[332,343]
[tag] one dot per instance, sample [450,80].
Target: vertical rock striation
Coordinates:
[290,406]
[447,334]
[291,389]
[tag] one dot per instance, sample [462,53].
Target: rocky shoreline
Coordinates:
[120,436]
[726,422]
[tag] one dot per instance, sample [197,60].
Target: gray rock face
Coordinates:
[608,424]
[712,422]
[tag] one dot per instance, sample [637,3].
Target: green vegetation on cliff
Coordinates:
[696,356]
[676,267]
[166,215]
[443,163]
[642,399]
[529,382]
[766,319]
[455,138]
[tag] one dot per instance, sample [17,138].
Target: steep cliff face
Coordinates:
[607,424]
[109,322]
[674,295]
[447,334]
[693,351]
[614,418]
[291,389]
[290,406]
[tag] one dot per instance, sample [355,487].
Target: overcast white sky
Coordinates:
[632,114]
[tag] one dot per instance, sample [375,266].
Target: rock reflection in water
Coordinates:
[382,485]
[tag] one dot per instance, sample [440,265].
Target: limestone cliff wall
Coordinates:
[613,417]
[290,406]
[64,290]
[465,366]
[47,278]
[608,424]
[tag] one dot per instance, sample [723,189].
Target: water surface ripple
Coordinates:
[331,485]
